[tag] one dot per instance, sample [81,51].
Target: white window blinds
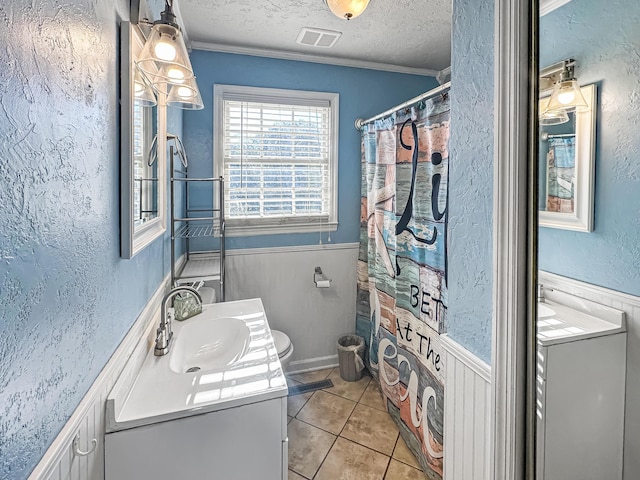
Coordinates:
[276,160]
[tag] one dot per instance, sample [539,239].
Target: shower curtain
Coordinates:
[402,269]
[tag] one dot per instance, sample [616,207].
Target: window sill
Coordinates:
[253,230]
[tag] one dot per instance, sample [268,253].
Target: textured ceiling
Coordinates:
[398,33]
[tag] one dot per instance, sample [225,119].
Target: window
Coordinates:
[277,150]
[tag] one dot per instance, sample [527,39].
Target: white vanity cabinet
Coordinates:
[239,443]
[580,392]
[213,408]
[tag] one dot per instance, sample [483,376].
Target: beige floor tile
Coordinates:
[294,476]
[327,411]
[308,447]
[372,397]
[296,402]
[350,461]
[351,390]
[309,377]
[405,455]
[400,471]
[289,418]
[372,428]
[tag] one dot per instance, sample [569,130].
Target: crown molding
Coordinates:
[444,75]
[548,6]
[304,57]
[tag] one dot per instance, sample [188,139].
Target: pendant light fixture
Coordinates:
[164,57]
[347,9]
[164,61]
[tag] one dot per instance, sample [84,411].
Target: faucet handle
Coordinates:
[162,342]
[171,313]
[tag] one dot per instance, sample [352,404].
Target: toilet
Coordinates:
[283,346]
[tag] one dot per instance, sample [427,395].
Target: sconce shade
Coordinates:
[164,57]
[552,117]
[347,9]
[186,95]
[142,93]
[566,96]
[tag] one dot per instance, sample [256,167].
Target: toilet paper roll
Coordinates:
[323,283]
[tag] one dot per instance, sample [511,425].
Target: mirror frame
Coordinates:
[582,217]
[134,239]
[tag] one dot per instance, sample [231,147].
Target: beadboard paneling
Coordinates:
[313,318]
[630,305]
[467,414]
[60,462]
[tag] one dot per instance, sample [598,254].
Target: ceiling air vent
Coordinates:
[317,37]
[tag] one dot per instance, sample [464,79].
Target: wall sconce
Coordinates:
[164,61]
[552,117]
[142,91]
[566,96]
[347,8]
[186,96]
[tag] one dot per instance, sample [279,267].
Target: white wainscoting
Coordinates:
[313,318]
[467,414]
[60,462]
[631,306]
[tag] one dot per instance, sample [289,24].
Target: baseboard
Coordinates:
[59,461]
[311,364]
[467,414]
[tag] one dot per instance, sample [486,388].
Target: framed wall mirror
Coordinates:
[566,165]
[142,158]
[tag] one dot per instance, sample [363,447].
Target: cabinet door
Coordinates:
[234,444]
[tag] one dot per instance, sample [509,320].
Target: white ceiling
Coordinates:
[397,35]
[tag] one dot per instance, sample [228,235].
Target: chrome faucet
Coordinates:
[164,332]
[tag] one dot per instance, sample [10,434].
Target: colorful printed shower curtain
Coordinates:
[402,269]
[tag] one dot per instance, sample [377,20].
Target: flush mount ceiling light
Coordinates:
[164,58]
[566,94]
[347,9]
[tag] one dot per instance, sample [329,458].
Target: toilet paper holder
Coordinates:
[320,279]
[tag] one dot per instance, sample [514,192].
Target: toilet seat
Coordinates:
[282,342]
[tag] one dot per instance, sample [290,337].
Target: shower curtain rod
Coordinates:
[359,123]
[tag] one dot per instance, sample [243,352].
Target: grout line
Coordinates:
[325,457]
[315,426]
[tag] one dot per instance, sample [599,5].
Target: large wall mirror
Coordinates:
[566,165]
[142,203]
[587,390]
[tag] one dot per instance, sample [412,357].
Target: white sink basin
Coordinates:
[224,357]
[209,344]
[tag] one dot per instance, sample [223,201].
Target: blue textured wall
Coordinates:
[471,177]
[606,45]
[363,93]
[66,298]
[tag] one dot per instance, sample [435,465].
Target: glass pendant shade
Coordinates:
[567,96]
[164,57]
[347,8]
[142,93]
[556,117]
[186,95]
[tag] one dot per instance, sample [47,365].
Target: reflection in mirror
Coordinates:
[566,165]
[142,217]
[145,168]
[588,325]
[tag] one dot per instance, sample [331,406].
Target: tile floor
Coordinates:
[345,433]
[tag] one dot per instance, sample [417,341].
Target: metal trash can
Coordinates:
[350,357]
